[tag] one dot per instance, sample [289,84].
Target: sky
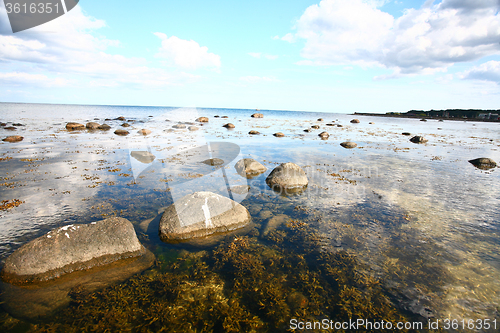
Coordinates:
[339,56]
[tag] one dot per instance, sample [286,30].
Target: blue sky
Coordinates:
[331,55]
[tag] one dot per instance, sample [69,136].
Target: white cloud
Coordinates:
[421,41]
[288,38]
[68,51]
[186,54]
[271,56]
[254,79]
[489,71]
[258,55]
[255,54]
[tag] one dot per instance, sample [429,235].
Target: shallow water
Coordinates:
[420,218]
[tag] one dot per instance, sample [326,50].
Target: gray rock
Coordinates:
[257,115]
[418,139]
[121,132]
[240,189]
[349,144]
[13,138]
[483,163]
[71,248]
[179,126]
[249,167]
[143,156]
[201,214]
[91,125]
[74,126]
[144,131]
[288,177]
[193,128]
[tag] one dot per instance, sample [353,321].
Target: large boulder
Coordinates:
[257,115]
[74,126]
[288,177]
[201,214]
[483,163]
[249,167]
[71,248]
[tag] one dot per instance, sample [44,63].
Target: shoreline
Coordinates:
[422,117]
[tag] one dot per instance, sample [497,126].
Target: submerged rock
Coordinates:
[202,119]
[274,222]
[143,156]
[121,132]
[74,126]
[418,139]
[228,125]
[355,121]
[287,177]
[349,144]
[13,138]
[249,167]
[257,115]
[213,161]
[92,125]
[201,214]
[483,163]
[144,131]
[72,248]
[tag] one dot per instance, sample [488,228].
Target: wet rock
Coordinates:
[418,139]
[253,132]
[125,125]
[201,214]
[179,126]
[349,144]
[107,119]
[315,126]
[265,214]
[121,132]
[224,117]
[249,167]
[10,128]
[74,126]
[287,178]
[213,161]
[483,163]
[274,223]
[355,121]
[228,125]
[17,124]
[296,301]
[338,125]
[202,119]
[240,189]
[257,115]
[104,127]
[330,125]
[13,138]
[91,125]
[216,116]
[143,156]
[320,119]
[279,135]
[406,133]
[144,131]
[193,128]
[308,130]
[72,248]
[324,135]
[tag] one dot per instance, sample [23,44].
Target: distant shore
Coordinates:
[404,115]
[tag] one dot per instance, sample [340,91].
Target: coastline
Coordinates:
[409,116]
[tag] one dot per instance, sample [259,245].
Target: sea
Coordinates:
[387,231]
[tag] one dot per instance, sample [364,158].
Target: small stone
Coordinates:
[120,118]
[224,117]
[17,124]
[315,126]
[483,163]
[193,128]
[91,125]
[355,121]
[324,135]
[349,144]
[144,131]
[13,138]
[307,130]
[121,132]
[338,125]
[423,119]
[202,119]
[371,123]
[125,125]
[216,116]
[228,125]
[253,132]
[104,127]
[320,119]
[330,124]
[10,128]
[179,126]
[279,135]
[257,115]
[406,133]
[74,126]
[418,139]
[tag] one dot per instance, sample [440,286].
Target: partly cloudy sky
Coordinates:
[330,55]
